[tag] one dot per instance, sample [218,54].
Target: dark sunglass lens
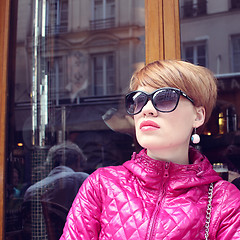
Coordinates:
[165,100]
[135,101]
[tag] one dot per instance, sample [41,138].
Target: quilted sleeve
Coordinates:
[229,214]
[83,220]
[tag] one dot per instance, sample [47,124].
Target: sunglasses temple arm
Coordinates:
[186,96]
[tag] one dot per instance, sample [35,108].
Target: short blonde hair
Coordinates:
[197,82]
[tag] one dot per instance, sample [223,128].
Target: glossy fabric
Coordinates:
[150,199]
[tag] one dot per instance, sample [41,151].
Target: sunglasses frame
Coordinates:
[150,97]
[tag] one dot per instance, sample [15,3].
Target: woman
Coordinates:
[162,192]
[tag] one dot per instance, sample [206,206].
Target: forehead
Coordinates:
[147,89]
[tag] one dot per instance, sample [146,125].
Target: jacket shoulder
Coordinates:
[225,211]
[105,175]
[224,187]
[225,192]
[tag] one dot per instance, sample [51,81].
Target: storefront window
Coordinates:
[210,37]
[74,60]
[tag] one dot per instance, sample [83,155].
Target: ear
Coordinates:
[200,117]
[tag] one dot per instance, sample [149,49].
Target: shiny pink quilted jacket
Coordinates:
[149,199]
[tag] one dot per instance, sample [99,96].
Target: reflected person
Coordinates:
[64,180]
[58,189]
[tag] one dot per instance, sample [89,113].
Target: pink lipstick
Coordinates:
[149,125]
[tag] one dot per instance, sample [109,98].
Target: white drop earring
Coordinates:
[195,137]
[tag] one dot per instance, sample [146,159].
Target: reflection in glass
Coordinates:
[195,53]
[193,8]
[104,72]
[74,60]
[236,53]
[210,37]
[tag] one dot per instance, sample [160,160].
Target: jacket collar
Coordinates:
[152,173]
[60,169]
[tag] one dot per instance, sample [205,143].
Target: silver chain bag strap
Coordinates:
[208,212]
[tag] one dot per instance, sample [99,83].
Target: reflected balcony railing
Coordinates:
[67,101]
[102,23]
[56,29]
[189,9]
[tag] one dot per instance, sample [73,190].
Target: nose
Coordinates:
[149,109]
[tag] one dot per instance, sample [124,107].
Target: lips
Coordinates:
[149,125]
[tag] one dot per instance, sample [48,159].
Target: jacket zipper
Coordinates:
[158,204]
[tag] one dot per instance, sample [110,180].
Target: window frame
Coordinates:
[104,73]
[57,27]
[105,21]
[162,42]
[235,4]
[234,37]
[4,44]
[194,8]
[162,30]
[104,10]
[195,51]
[57,71]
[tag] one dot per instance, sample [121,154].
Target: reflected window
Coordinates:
[235,4]
[57,16]
[236,53]
[193,8]
[57,78]
[103,14]
[195,53]
[63,86]
[103,69]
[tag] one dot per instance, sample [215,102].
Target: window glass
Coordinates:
[103,66]
[235,4]
[56,15]
[98,9]
[195,53]
[110,8]
[104,14]
[72,67]
[236,53]
[210,37]
[193,8]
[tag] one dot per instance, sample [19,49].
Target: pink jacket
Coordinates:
[149,199]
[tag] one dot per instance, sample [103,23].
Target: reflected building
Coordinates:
[210,36]
[74,53]
[73,63]
[74,60]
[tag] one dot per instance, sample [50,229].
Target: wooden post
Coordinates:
[162,30]
[4,34]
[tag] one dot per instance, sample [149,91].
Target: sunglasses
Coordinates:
[163,99]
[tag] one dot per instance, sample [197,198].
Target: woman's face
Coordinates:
[167,133]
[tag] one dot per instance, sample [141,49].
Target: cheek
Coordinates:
[182,124]
[135,119]
[138,132]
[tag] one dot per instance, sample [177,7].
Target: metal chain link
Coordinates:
[208,212]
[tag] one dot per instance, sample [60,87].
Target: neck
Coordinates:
[176,155]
